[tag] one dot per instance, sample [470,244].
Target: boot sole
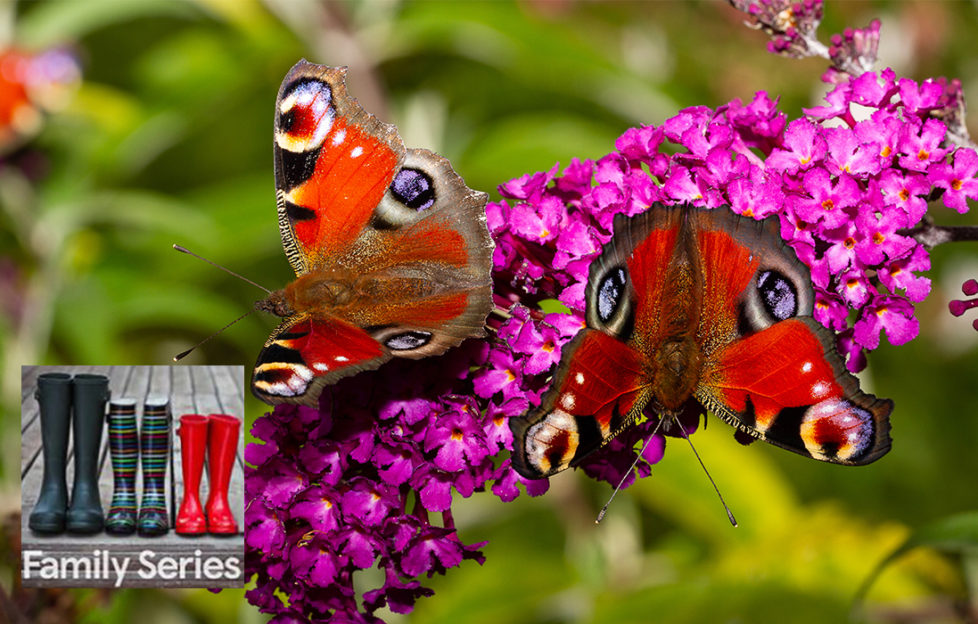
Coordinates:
[47,529]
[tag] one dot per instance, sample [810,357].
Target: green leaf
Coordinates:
[955,535]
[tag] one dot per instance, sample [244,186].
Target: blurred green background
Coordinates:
[168,140]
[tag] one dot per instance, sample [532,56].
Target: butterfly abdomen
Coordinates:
[676,374]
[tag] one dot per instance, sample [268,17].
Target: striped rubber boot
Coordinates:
[154,445]
[124,446]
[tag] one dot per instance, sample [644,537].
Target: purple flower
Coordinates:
[353,489]
[920,98]
[841,254]
[870,89]
[828,200]
[848,154]
[921,149]
[900,274]
[457,438]
[957,180]
[316,507]
[879,239]
[758,196]
[804,146]
[854,353]
[831,312]
[881,133]
[905,190]
[500,376]
[893,314]
[529,186]
[838,100]
[854,289]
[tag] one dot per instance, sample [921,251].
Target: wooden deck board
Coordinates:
[191,389]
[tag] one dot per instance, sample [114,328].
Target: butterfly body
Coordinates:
[689,309]
[390,248]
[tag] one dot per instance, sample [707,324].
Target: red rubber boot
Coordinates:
[193,441]
[222,446]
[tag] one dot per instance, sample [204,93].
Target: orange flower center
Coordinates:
[828,204]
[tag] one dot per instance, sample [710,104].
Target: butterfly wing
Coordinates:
[770,369]
[788,385]
[333,164]
[598,390]
[303,354]
[601,385]
[396,229]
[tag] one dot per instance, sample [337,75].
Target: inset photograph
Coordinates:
[132,476]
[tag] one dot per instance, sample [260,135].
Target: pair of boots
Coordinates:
[152,443]
[80,402]
[219,434]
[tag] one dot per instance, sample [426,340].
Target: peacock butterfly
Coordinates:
[390,247]
[697,309]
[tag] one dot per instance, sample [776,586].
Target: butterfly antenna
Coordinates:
[180,356]
[648,441]
[225,269]
[730,515]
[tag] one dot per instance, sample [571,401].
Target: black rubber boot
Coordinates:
[53,394]
[90,395]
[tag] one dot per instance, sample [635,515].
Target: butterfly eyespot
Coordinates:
[836,429]
[778,295]
[414,189]
[305,116]
[550,444]
[408,340]
[610,293]
[282,379]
